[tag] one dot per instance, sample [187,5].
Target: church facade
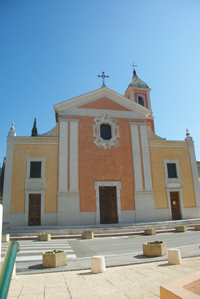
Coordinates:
[102,163]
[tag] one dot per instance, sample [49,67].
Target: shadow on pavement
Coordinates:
[140,256]
[38,266]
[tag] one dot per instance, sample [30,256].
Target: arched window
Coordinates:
[105,131]
[141,100]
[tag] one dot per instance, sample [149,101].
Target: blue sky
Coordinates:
[53,50]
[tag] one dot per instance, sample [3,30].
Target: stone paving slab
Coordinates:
[134,281]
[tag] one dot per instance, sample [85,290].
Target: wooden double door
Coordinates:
[34,209]
[108,205]
[175,205]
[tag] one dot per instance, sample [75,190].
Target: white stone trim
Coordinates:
[105,119]
[136,157]
[68,209]
[34,186]
[73,156]
[132,95]
[146,158]
[42,192]
[141,123]
[143,192]
[172,180]
[179,190]
[97,94]
[28,167]
[119,114]
[8,175]
[63,119]
[116,184]
[63,156]
[173,185]
[149,101]
[163,140]
[39,143]
[195,174]
[145,207]
[1,222]
[66,119]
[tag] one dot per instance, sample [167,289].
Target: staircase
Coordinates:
[102,229]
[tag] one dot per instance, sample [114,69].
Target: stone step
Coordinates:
[99,229]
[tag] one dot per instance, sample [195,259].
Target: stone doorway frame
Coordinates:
[27,206]
[116,184]
[179,190]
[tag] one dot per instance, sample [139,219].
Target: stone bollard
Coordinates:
[13,277]
[6,238]
[174,257]
[98,264]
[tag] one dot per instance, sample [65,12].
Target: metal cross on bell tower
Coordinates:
[133,65]
[103,77]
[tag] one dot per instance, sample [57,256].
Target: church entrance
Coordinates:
[34,209]
[175,207]
[108,205]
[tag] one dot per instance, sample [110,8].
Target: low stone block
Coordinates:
[98,264]
[44,237]
[154,250]
[181,228]
[6,238]
[87,235]
[197,227]
[150,231]
[174,257]
[53,260]
[186,287]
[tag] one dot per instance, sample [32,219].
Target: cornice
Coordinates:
[99,93]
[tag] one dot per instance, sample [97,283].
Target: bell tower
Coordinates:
[139,92]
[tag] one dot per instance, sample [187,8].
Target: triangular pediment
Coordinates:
[101,101]
[104,104]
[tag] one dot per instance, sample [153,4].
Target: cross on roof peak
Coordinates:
[103,77]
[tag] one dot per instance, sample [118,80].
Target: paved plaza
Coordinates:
[133,281]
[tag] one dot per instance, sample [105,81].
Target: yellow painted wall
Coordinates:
[33,147]
[37,147]
[154,136]
[171,150]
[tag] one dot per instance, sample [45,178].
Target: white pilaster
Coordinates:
[8,177]
[136,157]
[149,101]
[1,221]
[96,186]
[146,157]
[132,95]
[63,156]
[74,156]
[144,199]
[68,209]
[195,175]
